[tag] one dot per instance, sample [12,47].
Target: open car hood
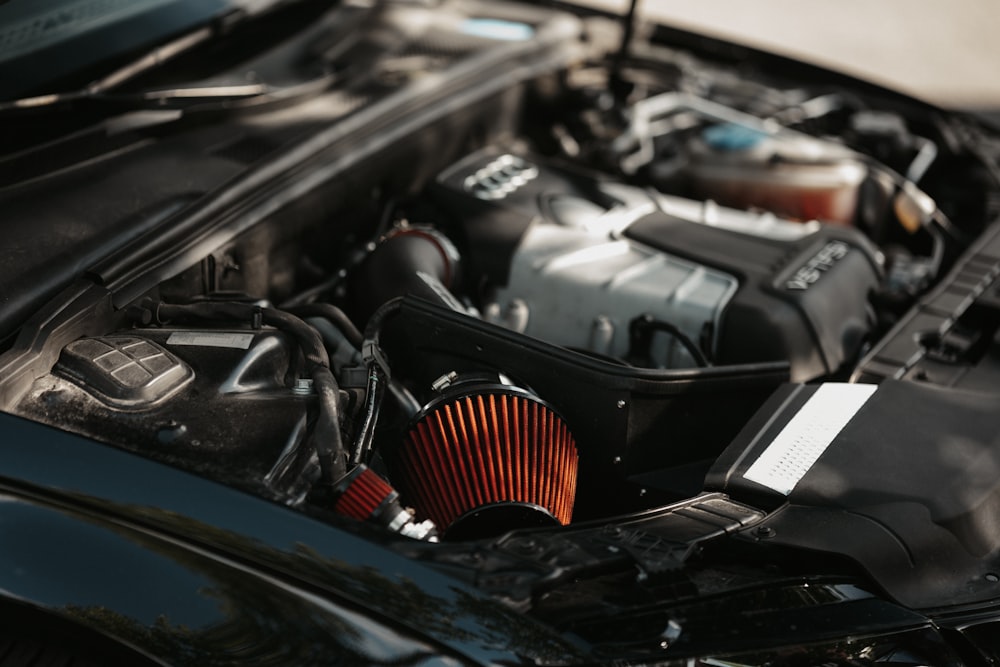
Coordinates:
[477,331]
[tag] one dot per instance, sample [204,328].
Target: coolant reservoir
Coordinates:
[794,177]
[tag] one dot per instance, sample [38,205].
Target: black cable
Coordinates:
[683,339]
[378,377]
[373,404]
[373,328]
[326,432]
[618,85]
[647,324]
[335,316]
[313,292]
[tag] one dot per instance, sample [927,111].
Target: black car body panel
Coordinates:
[191,572]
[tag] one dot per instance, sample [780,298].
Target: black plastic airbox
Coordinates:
[909,488]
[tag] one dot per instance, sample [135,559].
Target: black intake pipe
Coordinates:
[417,261]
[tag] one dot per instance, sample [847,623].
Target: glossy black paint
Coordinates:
[192,572]
[178,605]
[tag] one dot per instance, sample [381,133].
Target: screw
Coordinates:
[992,578]
[764,532]
[617,460]
[303,386]
[620,404]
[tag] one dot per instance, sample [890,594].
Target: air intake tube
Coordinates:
[408,260]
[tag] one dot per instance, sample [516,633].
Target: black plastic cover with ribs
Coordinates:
[124,371]
[950,337]
[909,489]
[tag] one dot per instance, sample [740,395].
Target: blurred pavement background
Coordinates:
[947,53]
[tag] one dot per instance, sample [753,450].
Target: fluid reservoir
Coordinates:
[793,176]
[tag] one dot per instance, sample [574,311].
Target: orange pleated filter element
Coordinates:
[497,454]
[362,493]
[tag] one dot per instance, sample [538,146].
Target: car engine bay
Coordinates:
[585,299]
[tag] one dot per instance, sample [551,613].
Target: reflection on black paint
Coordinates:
[302,612]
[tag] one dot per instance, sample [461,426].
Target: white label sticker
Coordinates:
[238,341]
[807,435]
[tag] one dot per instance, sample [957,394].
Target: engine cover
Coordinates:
[590,264]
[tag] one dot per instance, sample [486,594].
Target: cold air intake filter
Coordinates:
[484,458]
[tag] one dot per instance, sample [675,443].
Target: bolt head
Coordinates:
[764,532]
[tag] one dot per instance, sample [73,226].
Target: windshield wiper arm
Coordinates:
[158,56]
[100,88]
[222,24]
[142,99]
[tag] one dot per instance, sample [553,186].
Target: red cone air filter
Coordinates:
[493,455]
[362,492]
[363,495]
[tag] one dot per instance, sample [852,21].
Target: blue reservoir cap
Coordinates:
[730,137]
